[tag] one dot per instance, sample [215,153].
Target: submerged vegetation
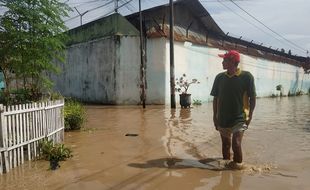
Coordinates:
[197,102]
[54,153]
[74,114]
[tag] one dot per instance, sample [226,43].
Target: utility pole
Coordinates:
[142,54]
[116,6]
[172,77]
[81,15]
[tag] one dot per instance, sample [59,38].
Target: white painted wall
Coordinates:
[156,71]
[89,72]
[102,71]
[269,74]
[128,76]
[107,71]
[203,63]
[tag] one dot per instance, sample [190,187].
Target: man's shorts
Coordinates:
[239,127]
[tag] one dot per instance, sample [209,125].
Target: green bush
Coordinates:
[55,96]
[51,151]
[20,96]
[54,153]
[16,96]
[74,114]
[197,102]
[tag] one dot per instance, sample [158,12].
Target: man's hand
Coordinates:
[248,121]
[215,121]
[252,106]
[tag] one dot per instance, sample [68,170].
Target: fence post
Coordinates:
[62,115]
[4,138]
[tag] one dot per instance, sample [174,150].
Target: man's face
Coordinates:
[226,63]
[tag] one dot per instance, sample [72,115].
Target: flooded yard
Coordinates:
[126,147]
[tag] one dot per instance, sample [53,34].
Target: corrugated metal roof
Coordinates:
[203,22]
[202,14]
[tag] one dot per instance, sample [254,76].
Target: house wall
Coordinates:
[128,71]
[107,71]
[102,71]
[196,62]
[156,71]
[269,74]
[203,63]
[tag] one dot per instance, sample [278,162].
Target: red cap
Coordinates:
[232,54]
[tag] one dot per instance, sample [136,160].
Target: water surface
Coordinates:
[159,148]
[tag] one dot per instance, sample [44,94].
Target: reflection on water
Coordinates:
[126,147]
[282,121]
[278,137]
[228,180]
[186,134]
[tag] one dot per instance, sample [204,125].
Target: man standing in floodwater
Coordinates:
[233,105]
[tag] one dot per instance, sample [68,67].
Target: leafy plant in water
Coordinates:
[74,114]
[197,102]
[182,84]
[54,152]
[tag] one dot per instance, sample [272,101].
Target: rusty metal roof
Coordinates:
[200,20]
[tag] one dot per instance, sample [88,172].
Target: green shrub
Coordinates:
[16,96]
[3,98]
[54,153]
[20,96]
[51,151]
[197,102]
[74,114]
[55,96]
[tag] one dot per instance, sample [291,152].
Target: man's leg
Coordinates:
[226,144]
[236,146]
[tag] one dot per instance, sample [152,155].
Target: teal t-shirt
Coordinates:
[231,92]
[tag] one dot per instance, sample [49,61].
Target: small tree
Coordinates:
[182,84]
[31,37]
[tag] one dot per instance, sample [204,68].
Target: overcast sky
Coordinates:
[287,20]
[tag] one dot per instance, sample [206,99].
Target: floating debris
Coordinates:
[131,135]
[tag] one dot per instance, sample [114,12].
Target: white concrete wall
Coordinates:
[89,72]
[128,77]
[107,71]
[196,62]
[269,74]
[102,71]
[203,63]
[156,71]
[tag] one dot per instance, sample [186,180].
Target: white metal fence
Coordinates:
[23,126]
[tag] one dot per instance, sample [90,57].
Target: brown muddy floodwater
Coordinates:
[156,148]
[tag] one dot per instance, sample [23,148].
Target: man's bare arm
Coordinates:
[252,107]
[215,103]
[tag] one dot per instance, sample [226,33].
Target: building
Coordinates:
[102,63]
[103,58]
